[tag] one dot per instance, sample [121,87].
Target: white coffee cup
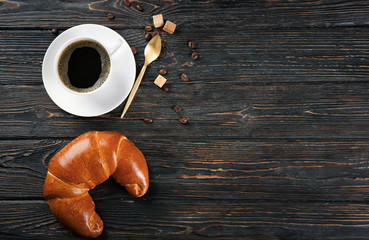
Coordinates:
[107,53]
[111,93]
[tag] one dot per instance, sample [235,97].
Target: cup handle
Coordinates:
[114,46]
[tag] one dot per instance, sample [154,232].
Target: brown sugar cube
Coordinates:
[158,20]
[160,81]
[169,27]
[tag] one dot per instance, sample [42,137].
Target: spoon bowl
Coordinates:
[152,50]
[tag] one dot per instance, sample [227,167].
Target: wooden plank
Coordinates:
[196,14]
[238,111]
[277,141]
[196,220]
[220,170]
[250,56]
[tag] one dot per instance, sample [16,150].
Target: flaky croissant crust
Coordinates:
[84,163]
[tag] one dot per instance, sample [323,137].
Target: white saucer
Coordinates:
[111,94]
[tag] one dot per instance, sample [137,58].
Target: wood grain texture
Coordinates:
[197,220]
[209,13]
[250,56]
[277,143]
[214,170]
[240,111]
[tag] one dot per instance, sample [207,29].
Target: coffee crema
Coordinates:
[83,66]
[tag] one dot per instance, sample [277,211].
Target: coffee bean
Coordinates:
[183,120]
[134,50]
[165,88]
[163,43]
[127,3]
[163,71]
[54,31]
[148,120]
[184,77]
[147,36]
[148,28]
[191,44]
[155,33]
[110,16]
[195,55]
[139,7]
[177,108]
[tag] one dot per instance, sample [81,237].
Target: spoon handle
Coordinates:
[134,90]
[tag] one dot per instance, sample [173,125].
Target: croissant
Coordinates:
[84,163]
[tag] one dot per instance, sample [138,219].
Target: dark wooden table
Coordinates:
[277,142]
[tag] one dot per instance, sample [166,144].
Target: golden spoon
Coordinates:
[152,52]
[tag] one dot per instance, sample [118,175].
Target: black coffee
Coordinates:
[83,66]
